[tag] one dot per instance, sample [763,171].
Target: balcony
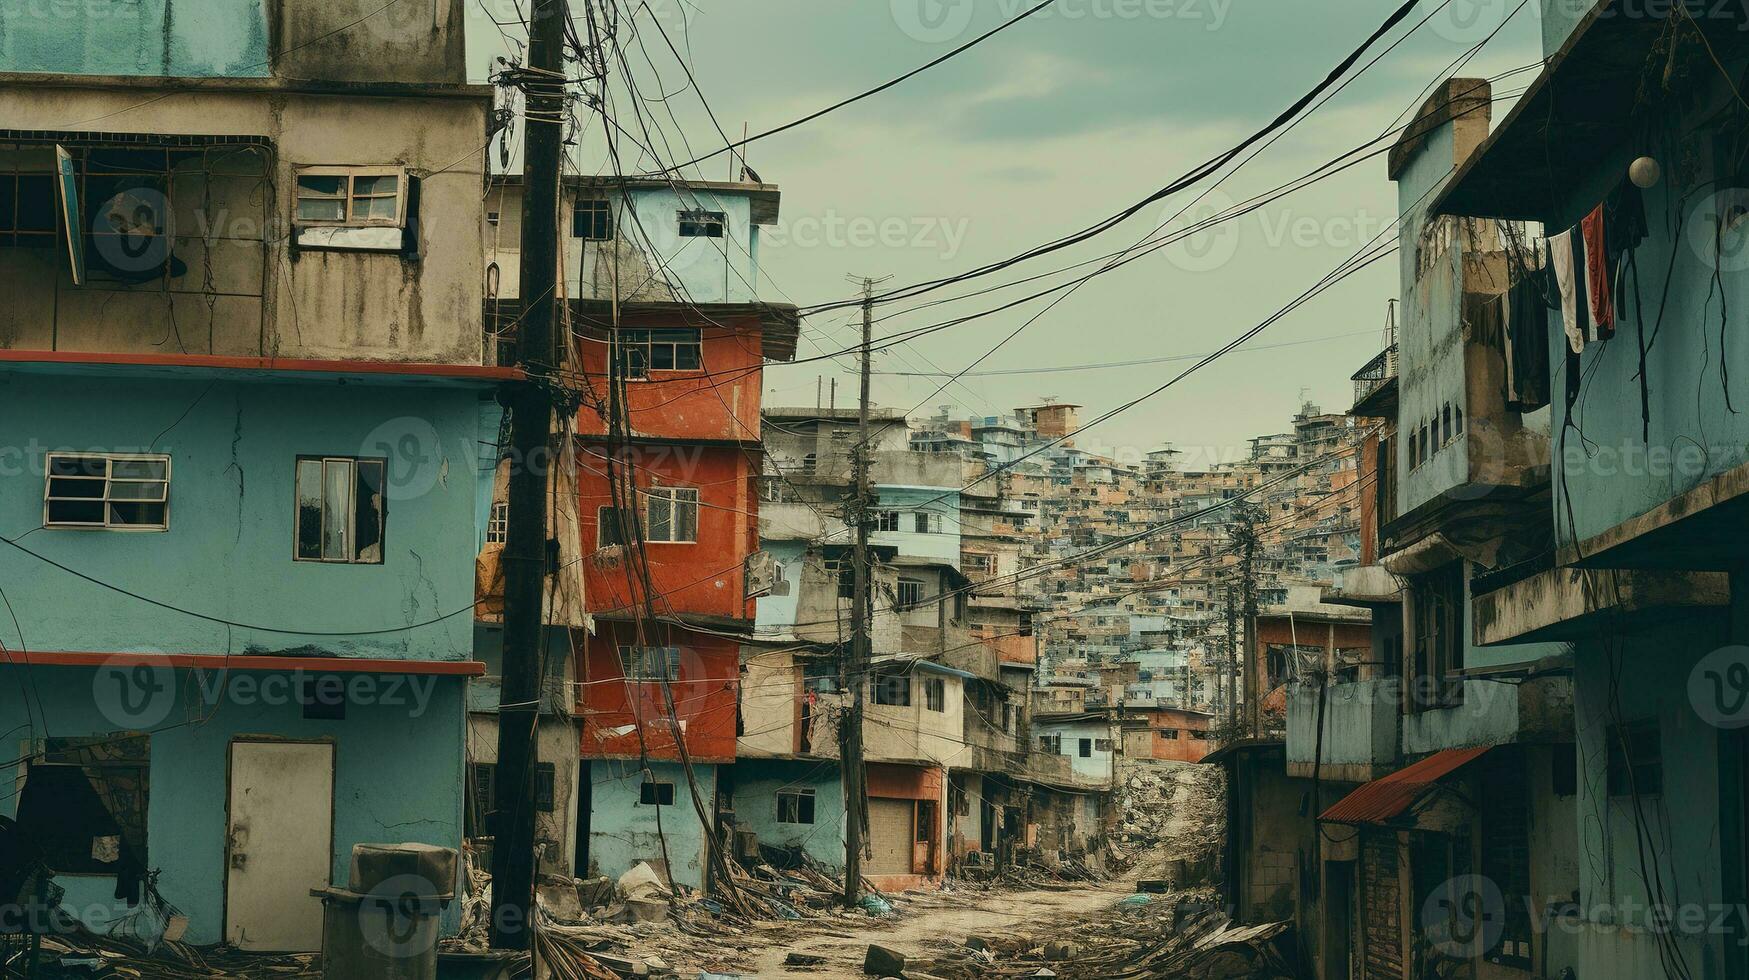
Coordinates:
[1377,378]
[1361,729]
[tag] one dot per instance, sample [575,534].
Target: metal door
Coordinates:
[281,844]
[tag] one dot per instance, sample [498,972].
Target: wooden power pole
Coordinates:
[525,545]
[854,670]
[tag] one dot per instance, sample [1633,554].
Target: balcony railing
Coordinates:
[1373,376]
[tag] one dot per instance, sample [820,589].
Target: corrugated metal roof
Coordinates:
[1383,799]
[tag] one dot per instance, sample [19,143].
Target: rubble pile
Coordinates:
[1169,821]
[1183,935]
[641,925]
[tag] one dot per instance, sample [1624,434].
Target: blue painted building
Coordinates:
[238,506]
[1647,467]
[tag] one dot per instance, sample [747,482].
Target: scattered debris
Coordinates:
[883,962]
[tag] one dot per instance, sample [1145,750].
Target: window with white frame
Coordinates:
[341,511]
[885,520]
[355,197]
[925,522]
[701,224]
[592,220]
[795,806]
[498,523]
[650,663]
[910,593]
[662,349]
[671,515]
[107,490]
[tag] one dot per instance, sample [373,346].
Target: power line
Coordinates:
[1195,175]
[810,117]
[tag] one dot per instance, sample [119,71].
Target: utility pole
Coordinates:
[854,670]
[1226,686]
[525,545]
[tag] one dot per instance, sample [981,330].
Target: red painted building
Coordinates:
[692,397]
[1172,734]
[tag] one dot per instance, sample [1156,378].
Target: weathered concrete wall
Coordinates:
[757,783]
[1645,678]
[287,302]
[622,831]
[771,688]
[298,39]
[647,258]
[420,41]
[228,552]
[1095,768]
[188,38]
[1696,427]
[1361,729]
[398,770]
[898,733]
[555,833]
[557,742]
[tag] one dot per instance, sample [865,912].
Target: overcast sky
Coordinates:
[1058,122]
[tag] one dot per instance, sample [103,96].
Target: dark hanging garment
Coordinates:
[1527,342]
[1599,291]
[1624,229]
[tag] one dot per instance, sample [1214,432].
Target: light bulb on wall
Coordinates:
[1645,172]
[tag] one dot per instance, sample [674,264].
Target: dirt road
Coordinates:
[929,922]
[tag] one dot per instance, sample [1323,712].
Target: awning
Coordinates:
[1385,799]
[1584,106]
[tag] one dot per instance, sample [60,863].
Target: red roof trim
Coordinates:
[284,364]
[220,661]
[1388,797]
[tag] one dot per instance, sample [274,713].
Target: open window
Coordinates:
[935,694]
[611,527]
[341,510]
[702,224]
[893,690]
[795,806]
[655,794]
[592,220]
